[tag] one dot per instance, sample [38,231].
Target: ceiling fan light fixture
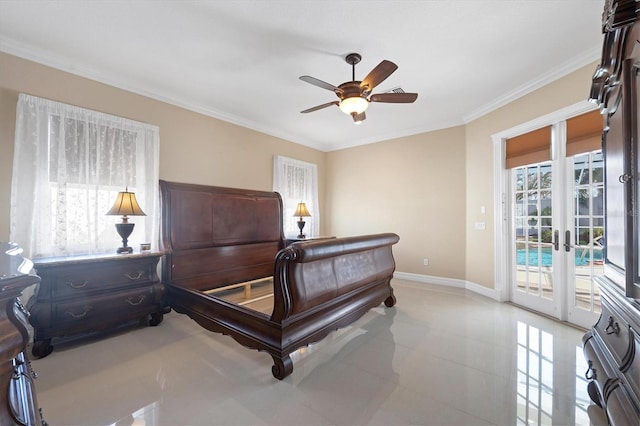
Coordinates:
[357,118]
[354,105]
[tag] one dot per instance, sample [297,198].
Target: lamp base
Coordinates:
[301,226]
[124,230]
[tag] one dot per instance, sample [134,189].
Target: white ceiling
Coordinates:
[239,61]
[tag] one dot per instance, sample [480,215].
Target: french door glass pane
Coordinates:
[588,228]
[534,229]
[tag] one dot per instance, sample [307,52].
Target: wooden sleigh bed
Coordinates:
[218,239]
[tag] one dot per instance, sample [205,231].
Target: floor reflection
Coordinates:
[145,416]
[543,386]
[442,356]
[535,375]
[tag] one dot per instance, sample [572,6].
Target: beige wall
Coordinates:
[413,186]
[428,188]
[560,94]
[193,148]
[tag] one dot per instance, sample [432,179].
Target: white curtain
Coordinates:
[297,181]
[69,165]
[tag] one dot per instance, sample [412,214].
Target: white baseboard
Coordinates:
[451,282]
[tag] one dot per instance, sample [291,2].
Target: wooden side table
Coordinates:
[81,294]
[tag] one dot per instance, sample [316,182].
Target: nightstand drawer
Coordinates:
[121,303]
[94,278]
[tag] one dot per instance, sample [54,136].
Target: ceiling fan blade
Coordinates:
[378,75]
[396,98]
[320,83]
[315,108]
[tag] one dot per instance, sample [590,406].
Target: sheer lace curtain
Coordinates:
[69,165]
[297,181]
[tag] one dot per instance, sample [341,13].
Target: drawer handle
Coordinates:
[80,315]
[591,370]
[132,303]
[613,327]
[77,286]
[135,275]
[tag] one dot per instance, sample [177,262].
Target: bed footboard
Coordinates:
[323,285]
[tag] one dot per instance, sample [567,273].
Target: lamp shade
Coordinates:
[126,205]
[301,210]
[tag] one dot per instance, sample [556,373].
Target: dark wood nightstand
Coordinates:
[81,294]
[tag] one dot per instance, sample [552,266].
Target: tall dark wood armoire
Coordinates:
[612,347]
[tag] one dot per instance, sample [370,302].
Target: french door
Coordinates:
[556,240]
[534,271]
[586,220]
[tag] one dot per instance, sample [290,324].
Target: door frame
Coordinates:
[502,253]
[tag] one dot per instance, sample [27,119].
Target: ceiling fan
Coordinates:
[354,95]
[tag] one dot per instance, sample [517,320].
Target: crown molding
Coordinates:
[550,76]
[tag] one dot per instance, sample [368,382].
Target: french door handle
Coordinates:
[556,240]
[567,241]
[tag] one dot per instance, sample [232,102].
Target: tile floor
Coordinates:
[442,356]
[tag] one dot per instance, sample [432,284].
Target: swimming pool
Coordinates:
[546,257]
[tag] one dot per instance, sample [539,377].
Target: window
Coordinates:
[297,181]
[69,165]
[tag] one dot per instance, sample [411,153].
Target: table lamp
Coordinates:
[301,211]
[125,205]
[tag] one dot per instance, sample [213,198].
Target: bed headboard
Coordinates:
[216,236]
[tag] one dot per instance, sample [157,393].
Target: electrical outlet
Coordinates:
[426,262]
